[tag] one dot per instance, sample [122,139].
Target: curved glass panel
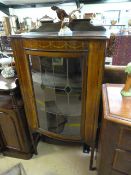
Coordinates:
[57,86]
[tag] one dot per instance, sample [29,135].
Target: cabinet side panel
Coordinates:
[108,141]
[23,72]
[9,134]
[96,57]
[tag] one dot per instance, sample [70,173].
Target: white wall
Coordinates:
[37,13]
[105,7]
[101,8]
[1,15]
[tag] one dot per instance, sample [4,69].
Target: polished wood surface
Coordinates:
[125,139]
[117,107]
[91,45]
[113,156]
[122,161]
[10,131]
[84,35]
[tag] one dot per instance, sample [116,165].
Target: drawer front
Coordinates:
[125,139]
[122,161]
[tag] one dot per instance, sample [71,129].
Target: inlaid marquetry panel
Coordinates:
[55,44]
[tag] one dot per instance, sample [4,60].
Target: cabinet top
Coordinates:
[116,107]
[75,35]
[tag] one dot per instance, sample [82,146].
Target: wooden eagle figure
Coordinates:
[61,14]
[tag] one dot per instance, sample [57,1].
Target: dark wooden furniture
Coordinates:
[15,139]
[114,152]
[114,74]
[79,58]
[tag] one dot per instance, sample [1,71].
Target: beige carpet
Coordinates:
[52,160]
[15,170]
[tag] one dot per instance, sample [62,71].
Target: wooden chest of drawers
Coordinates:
[114,153]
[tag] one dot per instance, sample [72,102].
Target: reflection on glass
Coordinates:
[58,86]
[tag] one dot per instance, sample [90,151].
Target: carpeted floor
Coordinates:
[15,170]
[52,160]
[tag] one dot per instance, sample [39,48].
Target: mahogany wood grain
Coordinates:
[109,138]
[22,67]
[125,139]
[94,81]
[58,136]
[91,45]
[14,133]
[116,107]
[122,161]
[114,156]
[11,136]
[77,35]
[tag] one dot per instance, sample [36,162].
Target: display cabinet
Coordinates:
[60,79]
